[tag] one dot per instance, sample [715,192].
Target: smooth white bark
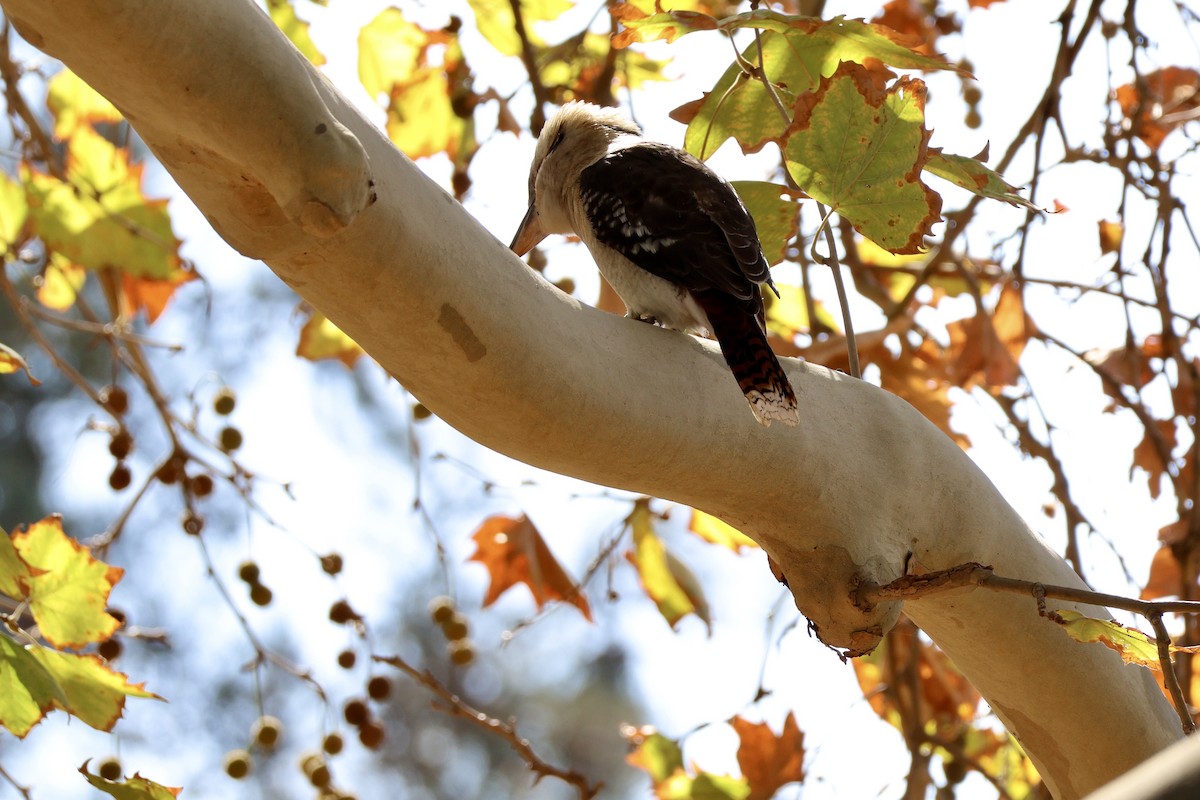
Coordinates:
[285,169]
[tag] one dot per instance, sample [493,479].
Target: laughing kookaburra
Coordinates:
[669,235]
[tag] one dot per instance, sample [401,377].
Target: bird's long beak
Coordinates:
[529,232]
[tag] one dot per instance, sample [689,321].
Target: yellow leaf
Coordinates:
[494,19]
[283,14]
[420,120]
[62,281]
[389,49]
[69,596]
[667,581]
[74,103]
[320,339]
[99,218]
[135,788]
[1133,646]
[11,361]
[13,213]
[94,693]
[717,531]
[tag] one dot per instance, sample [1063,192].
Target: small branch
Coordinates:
[23,790]
[456,707]
[835,268]
[1171,680]
[972,575]
[529,59]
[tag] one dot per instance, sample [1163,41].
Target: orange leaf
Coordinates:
[1111,234]
[769,761]
[1172,98]
[986,348]
[1166,578]
[514,552]
[1146,456]
[910,18]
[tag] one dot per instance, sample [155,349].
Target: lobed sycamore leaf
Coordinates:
[11,361]
[320,339]
[974,176]
[514,552]
[769,762]
[93,693]
[99,218]
[69,593]
[667,581]
[135,788]
[74,103]
[27,689]
[796,53]
[283,14]
[14,211]
[717,531]
[859,147]
[775,213]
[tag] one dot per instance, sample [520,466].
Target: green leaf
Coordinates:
[1132,645]
[776,215]
[135,788]
[27,689]
[98,217]
[94,693]
[283,14]
[13,213]
[972,175]
[859,148]
[657,755]
[69,596]
[796,53]
[668,582]
[74,103]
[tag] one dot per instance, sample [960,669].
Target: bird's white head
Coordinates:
[579,135]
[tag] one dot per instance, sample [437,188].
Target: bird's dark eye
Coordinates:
[557,141]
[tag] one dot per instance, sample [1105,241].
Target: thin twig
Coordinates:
[455,706]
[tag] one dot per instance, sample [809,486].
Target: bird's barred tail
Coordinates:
[753,363]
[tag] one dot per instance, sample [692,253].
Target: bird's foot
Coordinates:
[641,317]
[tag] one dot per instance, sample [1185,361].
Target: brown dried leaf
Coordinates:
[769,761]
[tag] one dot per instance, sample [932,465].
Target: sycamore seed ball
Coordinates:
[237,764]
[224,401]
[333,744]
[265,731]
[110,769]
